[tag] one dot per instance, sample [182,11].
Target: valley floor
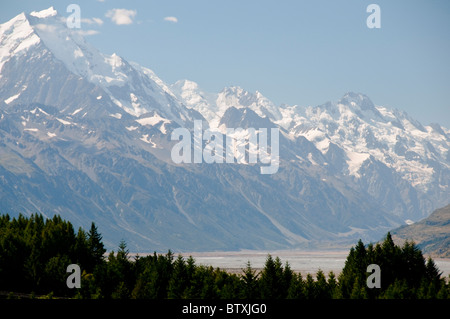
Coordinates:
[300,261]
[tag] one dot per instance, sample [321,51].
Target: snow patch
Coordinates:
[310,158]
[153,120]
[42,111]
[116,115]
[76,111]
[354,162]
[145,138]
[134,102]
[163,129]
[64,122]
[12,98]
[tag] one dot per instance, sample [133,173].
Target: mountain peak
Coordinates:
[357,99]
[186,85]
[129,86]
[234,90]
[16,37]
[240,98]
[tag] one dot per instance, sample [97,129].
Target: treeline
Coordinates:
[35,252]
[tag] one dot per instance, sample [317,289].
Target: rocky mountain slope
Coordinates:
[431,234]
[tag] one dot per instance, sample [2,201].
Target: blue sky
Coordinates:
[294,52]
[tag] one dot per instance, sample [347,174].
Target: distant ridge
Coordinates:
[432,234]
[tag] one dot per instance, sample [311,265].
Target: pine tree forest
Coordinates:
[35,252]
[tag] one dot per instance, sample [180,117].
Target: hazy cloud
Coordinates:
[171,19]
[121,16]
[87,32]
[97,21]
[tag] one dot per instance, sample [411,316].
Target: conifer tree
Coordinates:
[271,277]
[179,281]
[333,286]
[432,273]
[309,287]
[358,289]
[322,290]
[95,247]
[286,281]
[250,283]
[296,288]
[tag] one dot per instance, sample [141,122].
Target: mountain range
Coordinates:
[88,136]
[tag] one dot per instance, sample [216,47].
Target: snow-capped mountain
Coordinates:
[44,35]
[213,106]
[88,136]
[353,126]
[362,129]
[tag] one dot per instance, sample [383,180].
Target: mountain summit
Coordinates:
[89,136]
[43,36]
